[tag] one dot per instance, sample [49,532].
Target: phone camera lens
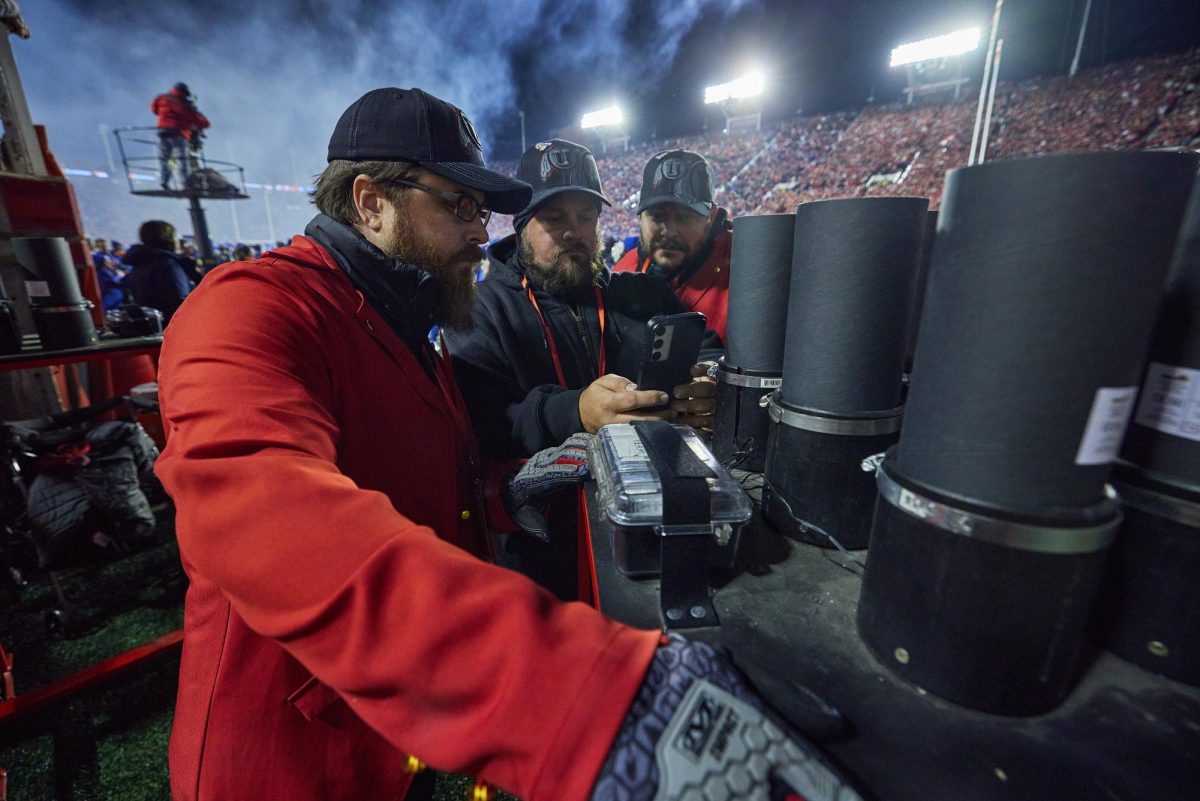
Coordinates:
[656,356]
[658,343]
[659,330]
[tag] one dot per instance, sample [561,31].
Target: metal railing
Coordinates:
[139,148]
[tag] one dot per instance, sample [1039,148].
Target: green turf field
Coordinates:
[111,743]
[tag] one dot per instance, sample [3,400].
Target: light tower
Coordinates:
[738,101]
[935,65]
[608,126]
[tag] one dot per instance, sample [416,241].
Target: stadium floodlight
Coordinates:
[749,85]
[952,44]
[605,116]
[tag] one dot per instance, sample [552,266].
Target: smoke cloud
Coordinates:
[274,75]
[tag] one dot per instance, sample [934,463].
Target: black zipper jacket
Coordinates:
[504,366]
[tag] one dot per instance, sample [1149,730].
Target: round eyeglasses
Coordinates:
[466,207]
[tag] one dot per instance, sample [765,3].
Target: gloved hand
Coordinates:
[696,730]
[546,471]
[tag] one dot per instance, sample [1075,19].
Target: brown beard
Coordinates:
[454,283]
[569,275]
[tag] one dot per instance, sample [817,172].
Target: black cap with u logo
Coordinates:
[678,176]
[559,166]
[412,125]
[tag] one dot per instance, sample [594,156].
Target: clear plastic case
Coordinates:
[629,491]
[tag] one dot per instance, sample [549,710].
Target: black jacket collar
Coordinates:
[402,292]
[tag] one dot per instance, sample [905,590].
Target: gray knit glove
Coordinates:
[697,730]
[546,471]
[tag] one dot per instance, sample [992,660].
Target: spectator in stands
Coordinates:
[243,253]
[159,277]
[100,249]
[191,262]
[179,126]
[110,273]
[685,236]
[118,251]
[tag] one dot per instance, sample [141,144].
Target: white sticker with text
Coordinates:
[1171,401]
[37,289]
[1106,425]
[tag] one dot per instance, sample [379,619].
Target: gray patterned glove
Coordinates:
[546,471]
[696,730]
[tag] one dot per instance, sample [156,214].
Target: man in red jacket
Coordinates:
[332,511]
[179,123]
[685,236]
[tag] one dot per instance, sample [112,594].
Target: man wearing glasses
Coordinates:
[342,624]
[684,235]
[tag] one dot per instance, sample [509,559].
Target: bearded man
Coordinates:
[685,237]
[557,341]
[341,627]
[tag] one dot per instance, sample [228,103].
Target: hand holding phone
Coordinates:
[615,399]
[672,348]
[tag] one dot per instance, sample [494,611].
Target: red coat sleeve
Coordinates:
[468,666]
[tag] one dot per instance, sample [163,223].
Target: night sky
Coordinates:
[273,75]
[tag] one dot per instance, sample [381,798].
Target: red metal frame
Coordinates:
[589,591]
[96,353]
[76,683]
[6,677]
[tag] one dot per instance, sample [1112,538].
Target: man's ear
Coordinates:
[369,202]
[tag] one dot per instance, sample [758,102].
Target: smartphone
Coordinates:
[673,346]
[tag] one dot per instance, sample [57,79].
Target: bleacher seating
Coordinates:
[1143,103]
[888,149]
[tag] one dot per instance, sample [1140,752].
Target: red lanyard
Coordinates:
[549,337]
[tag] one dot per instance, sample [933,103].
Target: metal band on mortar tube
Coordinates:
[1156,503]
[726,376]
[1021,536]
[841,426]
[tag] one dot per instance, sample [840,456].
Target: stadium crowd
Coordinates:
[895,149]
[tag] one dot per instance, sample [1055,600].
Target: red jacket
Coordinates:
[707,290]
[176,111]
[329,516]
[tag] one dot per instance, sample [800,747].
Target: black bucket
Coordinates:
[988,547]
[10,334]
[980,607]
[1151,597]
[50,278]
[65,327]
[1149,610]
[760,273]
[822,473]
[741,427]
[854,273]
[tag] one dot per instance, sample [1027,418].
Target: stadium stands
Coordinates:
[879,150]
[906,150]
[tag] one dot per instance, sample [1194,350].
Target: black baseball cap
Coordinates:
[412,125]
[182,88]
[678,176]
[559,166]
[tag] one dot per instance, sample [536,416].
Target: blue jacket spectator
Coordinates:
[112,291]
[159,277]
